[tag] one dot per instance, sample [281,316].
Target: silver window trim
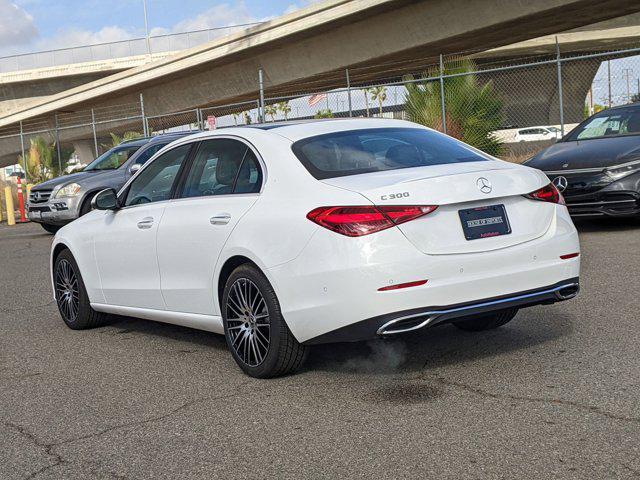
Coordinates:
[189,140]
[160,152]
[250,146]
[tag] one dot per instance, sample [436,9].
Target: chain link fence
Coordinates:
[499,106]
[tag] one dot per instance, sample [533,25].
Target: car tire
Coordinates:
[86,205]
[52,229]
[257,335]
[71,295]
[487,321]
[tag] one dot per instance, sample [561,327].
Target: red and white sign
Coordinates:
[211,121]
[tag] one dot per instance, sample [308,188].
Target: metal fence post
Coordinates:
[442,102]
[24,158]
[261,104]
[199,119]
[93,127]
[55,116]
[609,80]
[560,98]
[145,125]
[349,92]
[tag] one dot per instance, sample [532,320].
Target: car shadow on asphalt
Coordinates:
[120,325]
[433,348]
[606,224]
[438,347]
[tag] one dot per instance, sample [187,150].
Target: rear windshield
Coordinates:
[354,152]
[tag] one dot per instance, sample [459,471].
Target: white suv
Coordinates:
[536,134]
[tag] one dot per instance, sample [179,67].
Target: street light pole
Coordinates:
[146,27]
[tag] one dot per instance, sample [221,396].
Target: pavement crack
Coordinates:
[549,401]
[156,418]
[46,447]
[59,459]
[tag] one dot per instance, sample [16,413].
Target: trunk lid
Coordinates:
[454,187]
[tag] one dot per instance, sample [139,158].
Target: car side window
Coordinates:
[148,153]
[221,167]
[154,183]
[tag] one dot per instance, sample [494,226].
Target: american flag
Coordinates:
[317,98]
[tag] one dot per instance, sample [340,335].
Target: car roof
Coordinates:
[629,106]
[162,137]
[299,129]
[535,126]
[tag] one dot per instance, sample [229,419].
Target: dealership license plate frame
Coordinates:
[484,222]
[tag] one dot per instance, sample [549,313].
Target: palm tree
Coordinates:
[117,140]
[40,160]
[272,111]
[473,109]
[366,92]
[285,108]
[379,94]
[326,113]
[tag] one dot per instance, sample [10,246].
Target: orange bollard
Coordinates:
[23,215]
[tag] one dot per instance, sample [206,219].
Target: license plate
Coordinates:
[484,222]
[35,215]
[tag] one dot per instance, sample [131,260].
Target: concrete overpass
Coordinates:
[315,45]
[18,89]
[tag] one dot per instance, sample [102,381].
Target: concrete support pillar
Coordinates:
[85,149]
[531,96]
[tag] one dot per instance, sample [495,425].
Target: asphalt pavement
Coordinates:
[554,394]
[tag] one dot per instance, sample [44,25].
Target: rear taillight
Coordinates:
[356,221]
[547,194]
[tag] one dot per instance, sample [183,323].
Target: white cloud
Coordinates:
[16,25]
[77,37]
[219,16]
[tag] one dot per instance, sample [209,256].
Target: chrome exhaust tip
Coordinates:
[404,324]
[568,291]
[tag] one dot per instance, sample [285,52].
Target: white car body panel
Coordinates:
[187,259]
[127,257]
[324,281]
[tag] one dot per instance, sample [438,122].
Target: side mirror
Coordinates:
[134,168]
[105,200]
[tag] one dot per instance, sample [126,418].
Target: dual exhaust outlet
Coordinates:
[416,321]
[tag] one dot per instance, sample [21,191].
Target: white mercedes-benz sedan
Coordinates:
[290,234]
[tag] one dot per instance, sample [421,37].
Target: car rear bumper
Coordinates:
[335,282]
[415,319]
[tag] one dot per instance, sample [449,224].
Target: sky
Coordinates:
[37,25]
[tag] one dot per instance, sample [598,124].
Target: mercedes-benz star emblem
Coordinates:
[36,196]
[561,183]
[484,185]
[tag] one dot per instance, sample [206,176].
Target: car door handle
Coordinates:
[145,223]
[220,219]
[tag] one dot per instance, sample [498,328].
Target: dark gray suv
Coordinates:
[61,200]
